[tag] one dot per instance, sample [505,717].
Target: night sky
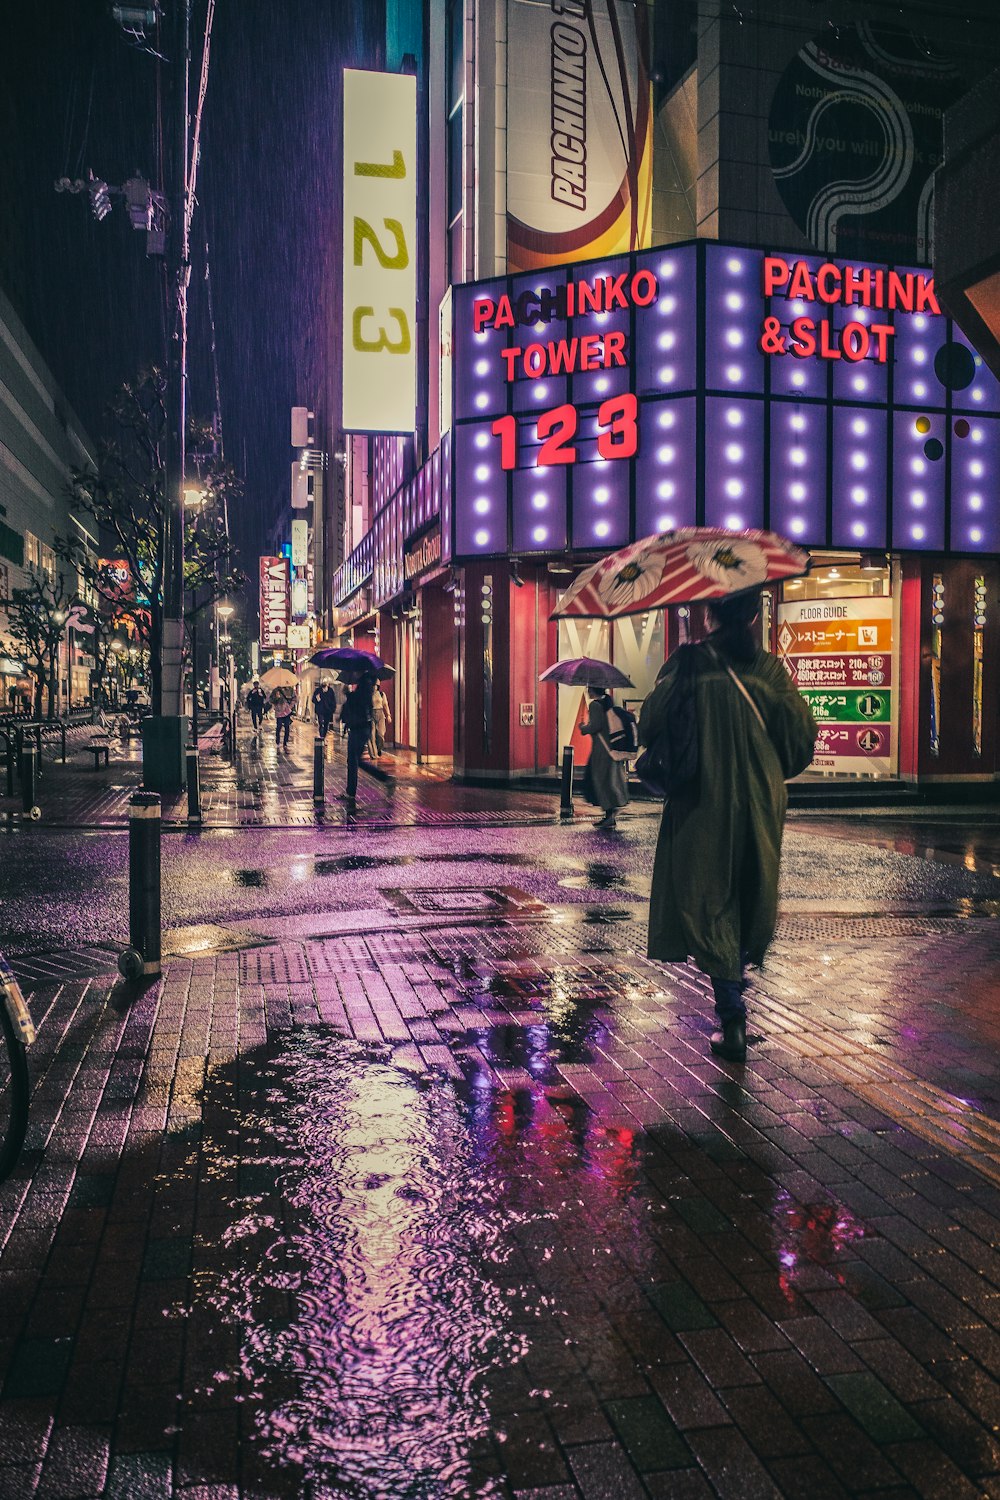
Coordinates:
[75,95]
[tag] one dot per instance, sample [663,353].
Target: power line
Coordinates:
[199,110]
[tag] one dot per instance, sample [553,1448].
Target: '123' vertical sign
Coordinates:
[380,251]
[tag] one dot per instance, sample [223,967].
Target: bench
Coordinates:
[98,748]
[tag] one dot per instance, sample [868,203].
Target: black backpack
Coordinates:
[623,732]
[357,710]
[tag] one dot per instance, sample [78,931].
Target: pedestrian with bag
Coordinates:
[726,728]
[605,780]
[324,701]
[382,719]
[283,703]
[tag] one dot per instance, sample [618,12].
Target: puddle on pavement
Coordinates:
[816,1234]
[568,1030]
[357,1270]
[599,876]
[300,869]
[406,1258]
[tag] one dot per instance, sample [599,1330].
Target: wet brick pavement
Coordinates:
[413,1180]
[461,1205]
[264,787]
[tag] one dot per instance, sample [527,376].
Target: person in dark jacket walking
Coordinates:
[357,715]
[256,703]
[324,701]
[714,895]
[606,782]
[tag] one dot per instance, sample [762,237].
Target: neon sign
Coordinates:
[837,286]
[596,404]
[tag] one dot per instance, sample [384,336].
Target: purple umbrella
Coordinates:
[585,671]
[349,658]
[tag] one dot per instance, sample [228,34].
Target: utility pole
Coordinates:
[179,272]
[164,736]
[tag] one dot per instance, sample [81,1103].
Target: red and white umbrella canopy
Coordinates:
[680,567]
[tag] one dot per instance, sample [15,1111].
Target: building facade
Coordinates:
[694,289]
[41,440]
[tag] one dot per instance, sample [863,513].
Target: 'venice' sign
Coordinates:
[273,602]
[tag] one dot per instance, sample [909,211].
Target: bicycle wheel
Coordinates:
[13,1093]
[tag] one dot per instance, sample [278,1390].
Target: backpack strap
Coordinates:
[741,686]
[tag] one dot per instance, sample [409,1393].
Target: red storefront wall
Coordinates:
[508,718]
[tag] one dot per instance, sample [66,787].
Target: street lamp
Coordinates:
[225,612]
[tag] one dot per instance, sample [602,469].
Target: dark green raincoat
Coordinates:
[715,876]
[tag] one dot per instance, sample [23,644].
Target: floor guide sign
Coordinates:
[839,654]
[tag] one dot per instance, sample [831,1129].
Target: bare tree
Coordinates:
[125,497]
[36,615]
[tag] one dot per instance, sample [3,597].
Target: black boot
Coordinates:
[732,1045]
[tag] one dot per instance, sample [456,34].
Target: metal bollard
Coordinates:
[566,788]
[319,773]
[141,960]
[193,786]
[10,765]
[29,770]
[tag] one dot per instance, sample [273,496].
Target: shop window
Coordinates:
[455,165]
[578,638]
[456,52]
[11,545]
[638,649]
[978,627]
[456,252]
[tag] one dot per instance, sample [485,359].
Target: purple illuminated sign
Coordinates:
[714,384]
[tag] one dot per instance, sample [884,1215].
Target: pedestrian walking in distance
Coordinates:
[324,701]
[283,702]
[256,703]
[357,716]
[714,895]
[382,718]
[606,780]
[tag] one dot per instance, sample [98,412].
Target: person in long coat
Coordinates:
[607,784]
[714,895]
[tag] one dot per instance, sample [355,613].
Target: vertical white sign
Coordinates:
[380,252]
[300,543]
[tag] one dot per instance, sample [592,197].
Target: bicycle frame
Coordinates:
[16,1005]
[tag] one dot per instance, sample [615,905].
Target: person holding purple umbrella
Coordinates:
[606,783]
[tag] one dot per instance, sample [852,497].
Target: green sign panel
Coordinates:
[848,705]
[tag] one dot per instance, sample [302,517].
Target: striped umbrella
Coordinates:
[680,567]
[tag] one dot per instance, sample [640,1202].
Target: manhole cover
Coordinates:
[502,900]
